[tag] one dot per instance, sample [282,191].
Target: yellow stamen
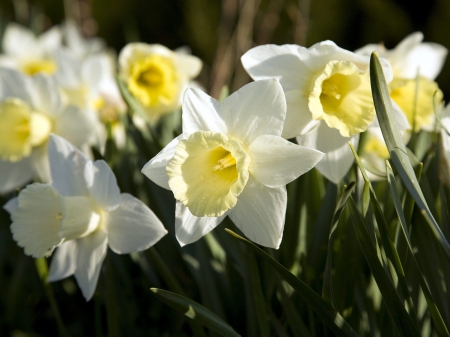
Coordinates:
[225,162]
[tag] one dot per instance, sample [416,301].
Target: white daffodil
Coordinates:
[31,108]
[157,76]
[328,94]
[415,65]
[90,84]
[82,213]
[27,53]
[231,160]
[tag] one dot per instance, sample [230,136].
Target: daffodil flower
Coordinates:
[157,76]
[27,53]
[415,65]
[231,160]
[80,213]
[89,84]
[328,94]
[30,109]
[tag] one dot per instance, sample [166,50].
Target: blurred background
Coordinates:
[218,32]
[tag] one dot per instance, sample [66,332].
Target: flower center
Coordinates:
[153,81]
[21,129]
[415,98]
[341,96]
[33,67]
[208,172]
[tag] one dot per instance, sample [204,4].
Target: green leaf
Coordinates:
[327,289]
[397,150]
[330,317]
[394,303]
[390,249]
[195,311]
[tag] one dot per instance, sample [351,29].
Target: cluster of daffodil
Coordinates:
[233,157]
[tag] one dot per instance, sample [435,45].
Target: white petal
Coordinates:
[201,113]
[67,167]
[260,213]
[69,68]
[280,62]
[298,116]
[368,49]
[64,261]
[426,59]
[11,205]
[188,65]
[91,253]
[155,169]
[102,184]
[75,125]
[14,84]
[258,108]
[14,175]
[275,162]
[317,56]
[190,228]
[50,40]
[338,156]
[18,40]
[36,220]
[45,95]
[132,226]
[40,164]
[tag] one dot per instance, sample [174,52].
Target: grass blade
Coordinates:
[195,311]
[394,304]
[329,316]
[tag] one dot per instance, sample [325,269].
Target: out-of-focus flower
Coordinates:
[81,212]
[157,76]
[415,65]
[78,44]
[30,54]
[231,160]
[31,108]
[90,84]
[328,94]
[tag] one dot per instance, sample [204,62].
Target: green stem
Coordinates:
[42,269]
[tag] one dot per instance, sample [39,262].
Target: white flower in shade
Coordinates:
[328,95]
[231,160]
[82,213]
[30,109]
[90,84]
[26,52]
[415,65]
[156,76]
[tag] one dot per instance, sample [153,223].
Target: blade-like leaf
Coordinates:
[327,289]
[390,249]
[397,150]
[195,311]
[329,316]
[394,304]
